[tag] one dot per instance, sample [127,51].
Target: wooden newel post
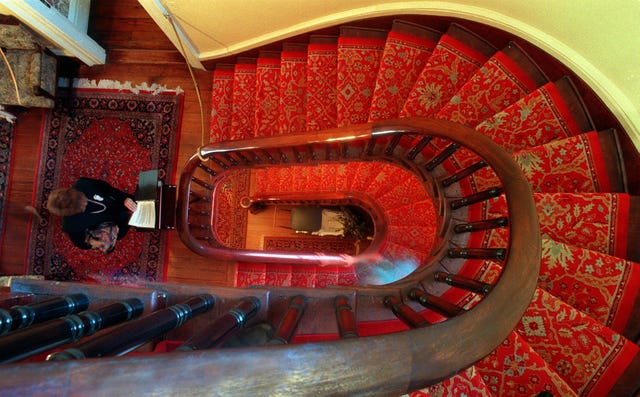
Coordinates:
[224,326]
[50,334]
[130,336]
[289,322]
[23,316]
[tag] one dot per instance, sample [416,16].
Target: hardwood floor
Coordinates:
[137,51]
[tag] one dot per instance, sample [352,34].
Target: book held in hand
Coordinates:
[146,197]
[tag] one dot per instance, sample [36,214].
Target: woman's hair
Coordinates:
[66,202]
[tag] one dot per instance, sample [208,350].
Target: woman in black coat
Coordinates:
[94,214]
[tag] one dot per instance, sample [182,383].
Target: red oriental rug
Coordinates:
[110,135]
[6,137]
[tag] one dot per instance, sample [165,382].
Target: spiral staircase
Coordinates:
[470,163]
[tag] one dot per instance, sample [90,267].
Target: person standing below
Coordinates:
[94,213]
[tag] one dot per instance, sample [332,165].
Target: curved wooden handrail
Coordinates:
[390,364]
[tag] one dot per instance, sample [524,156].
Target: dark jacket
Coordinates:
[106,204]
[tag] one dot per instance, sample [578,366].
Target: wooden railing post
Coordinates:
[50,334]
[223,327]
[25,315]
[132,335]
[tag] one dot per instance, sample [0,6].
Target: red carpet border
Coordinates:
[112,136]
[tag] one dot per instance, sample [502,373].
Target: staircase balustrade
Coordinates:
[389,364]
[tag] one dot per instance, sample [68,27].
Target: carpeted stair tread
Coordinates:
[221,104]
[539,117]
[514,368]
[405,192]
[574,164]
[418,238]
[420,213]
[322,78]
[244,100]
[466,383]
[366,172]
[407,49]
[599,285]
[586,354]
[267,93]
[501,81]
[359,54]
[397,251]
[293,82]
[595,221]
[457,56]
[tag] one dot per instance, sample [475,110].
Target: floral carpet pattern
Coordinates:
[6,137]
[108,135]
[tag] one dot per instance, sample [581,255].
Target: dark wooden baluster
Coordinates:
[215,158]
[230,159]
[371,144]
[202,183]
[244,159]
[290,321]
[441,157]
[419,147]
[312,152]
[207,169]
[404,312]
[129,336]
[463,282]
[435,303]
[477,253]
[23,316]
[47,335]
[269,157]
[481,225]
[283,156]
[391,146]
[346,319]
[195,197]
[476,198]
[463,173]
[223,327]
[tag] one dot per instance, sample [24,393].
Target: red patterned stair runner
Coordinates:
[244,100]
[594,221]
[466,383]
[497,84]
[406,52]
[557,347]
[293,82]
[322,80]
[267,94]
[458,55]
[574,164]
[221,104]
[359,54]
[540,117]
